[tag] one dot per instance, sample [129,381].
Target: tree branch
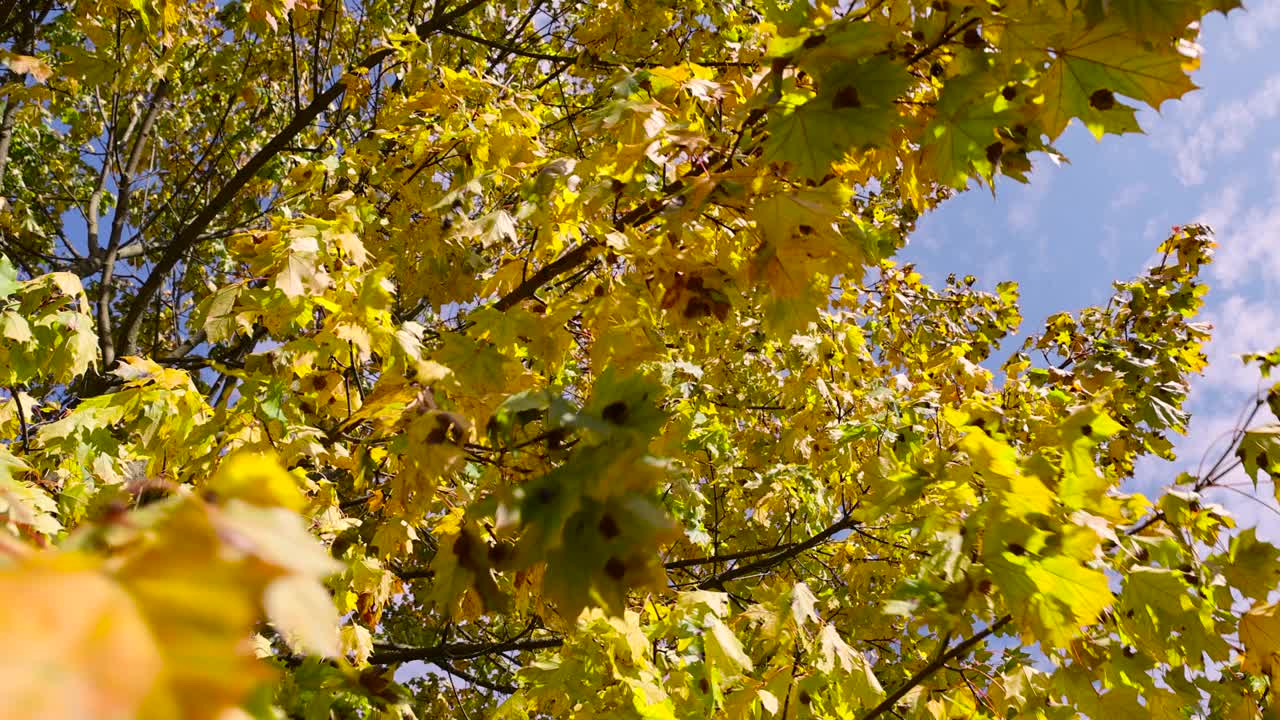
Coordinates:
[119,219]
[187,237]
[24,40]
[889,702]
[496,687]
[6,133]
[729,557]
[22,417]
[93,214]
[947,36]
[415,573]
[719,579]
[424,572]
[392,654]
[547,273]
[578,255]
[191,233]
[506,48]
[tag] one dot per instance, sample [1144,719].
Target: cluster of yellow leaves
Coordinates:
[153,617]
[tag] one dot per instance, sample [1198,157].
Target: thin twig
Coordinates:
[889,702]
[193,231]
[22,417]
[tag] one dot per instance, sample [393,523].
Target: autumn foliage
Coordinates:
[532,359]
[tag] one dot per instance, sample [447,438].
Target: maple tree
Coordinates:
[559,348]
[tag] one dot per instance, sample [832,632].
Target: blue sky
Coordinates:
[1212,157]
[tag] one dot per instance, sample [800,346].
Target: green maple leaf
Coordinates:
[961,140]
[778,218]
[848,668]
[725,650]
[1158,611]
[1018,493]
[604,551]
[854,109]
[1050,596]
[803,224]
[1156,18]
[1093,66]
[14,327]
[8,278]
[546,503]
[1260,635]
[1259,450]
[1053,598]
[217,314]
[1252,566]
[23,502]
[622,405]
[808,139]
[1222,6]
[302,275]
[1266,361]
[1082,486]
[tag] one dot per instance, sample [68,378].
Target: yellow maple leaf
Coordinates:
[1260,634]
[78,647]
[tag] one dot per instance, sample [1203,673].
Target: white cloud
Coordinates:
[1109,250]
[976,228]
[1248,238]
[1155,229]
[1197,142]
[1045,262]
[1222,207]
[1256,27]
[996,269]
[1128,196]
[1240,325]
[929,240]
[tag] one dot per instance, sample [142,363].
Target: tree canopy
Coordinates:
[537,358]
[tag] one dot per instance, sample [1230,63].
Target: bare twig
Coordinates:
[22,417]
[119,219]
[889,702]
[190,234]
[392,654]
[718,580]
